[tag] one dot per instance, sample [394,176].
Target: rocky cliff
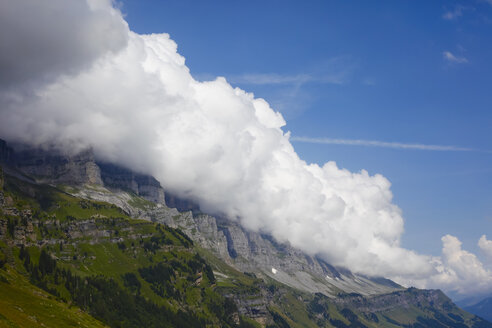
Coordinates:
[399,299]
[146,186]
[56,167]
[259,253]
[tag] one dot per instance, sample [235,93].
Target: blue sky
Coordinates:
[416,72]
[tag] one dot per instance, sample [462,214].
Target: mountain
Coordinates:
[482,308]
[109,244]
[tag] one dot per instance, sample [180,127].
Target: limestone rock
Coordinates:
[55,167]
[118,177]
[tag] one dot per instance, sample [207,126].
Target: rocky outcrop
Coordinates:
[259,253]
[254,305]
[21,229]
[19,225]
[421,298]
[150,189]
[250,251]
[182,205]
[53,166]
[56,167]
[146,186]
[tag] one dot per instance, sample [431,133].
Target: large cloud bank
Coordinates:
[42,39]
[133,100]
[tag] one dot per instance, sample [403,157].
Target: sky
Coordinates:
[357,133]
[415,72]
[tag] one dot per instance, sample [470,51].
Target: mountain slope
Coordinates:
[24,305]
[482,308]
[124,272]
[120,254]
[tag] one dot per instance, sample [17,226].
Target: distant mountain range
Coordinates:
[482,308]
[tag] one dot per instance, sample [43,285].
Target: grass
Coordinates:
[140,202]
[405,316]
[233,277]
[85,209]
[23,305]
[296,311]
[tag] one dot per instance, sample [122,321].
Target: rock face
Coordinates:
[146,186]
[259,253]
[55,167]
[180,204]
[399,299]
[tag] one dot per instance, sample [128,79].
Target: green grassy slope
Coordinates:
[24,305]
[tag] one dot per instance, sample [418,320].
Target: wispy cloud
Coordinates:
[277,79]
[453,14]
[272,78]
[383,144]
[450,57]
[337,70]
[285,79]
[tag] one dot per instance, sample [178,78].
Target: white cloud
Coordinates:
[454,59]
[218,145]
[461,271]
[486,246]
[373,143]
[42,39]
[457,271]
